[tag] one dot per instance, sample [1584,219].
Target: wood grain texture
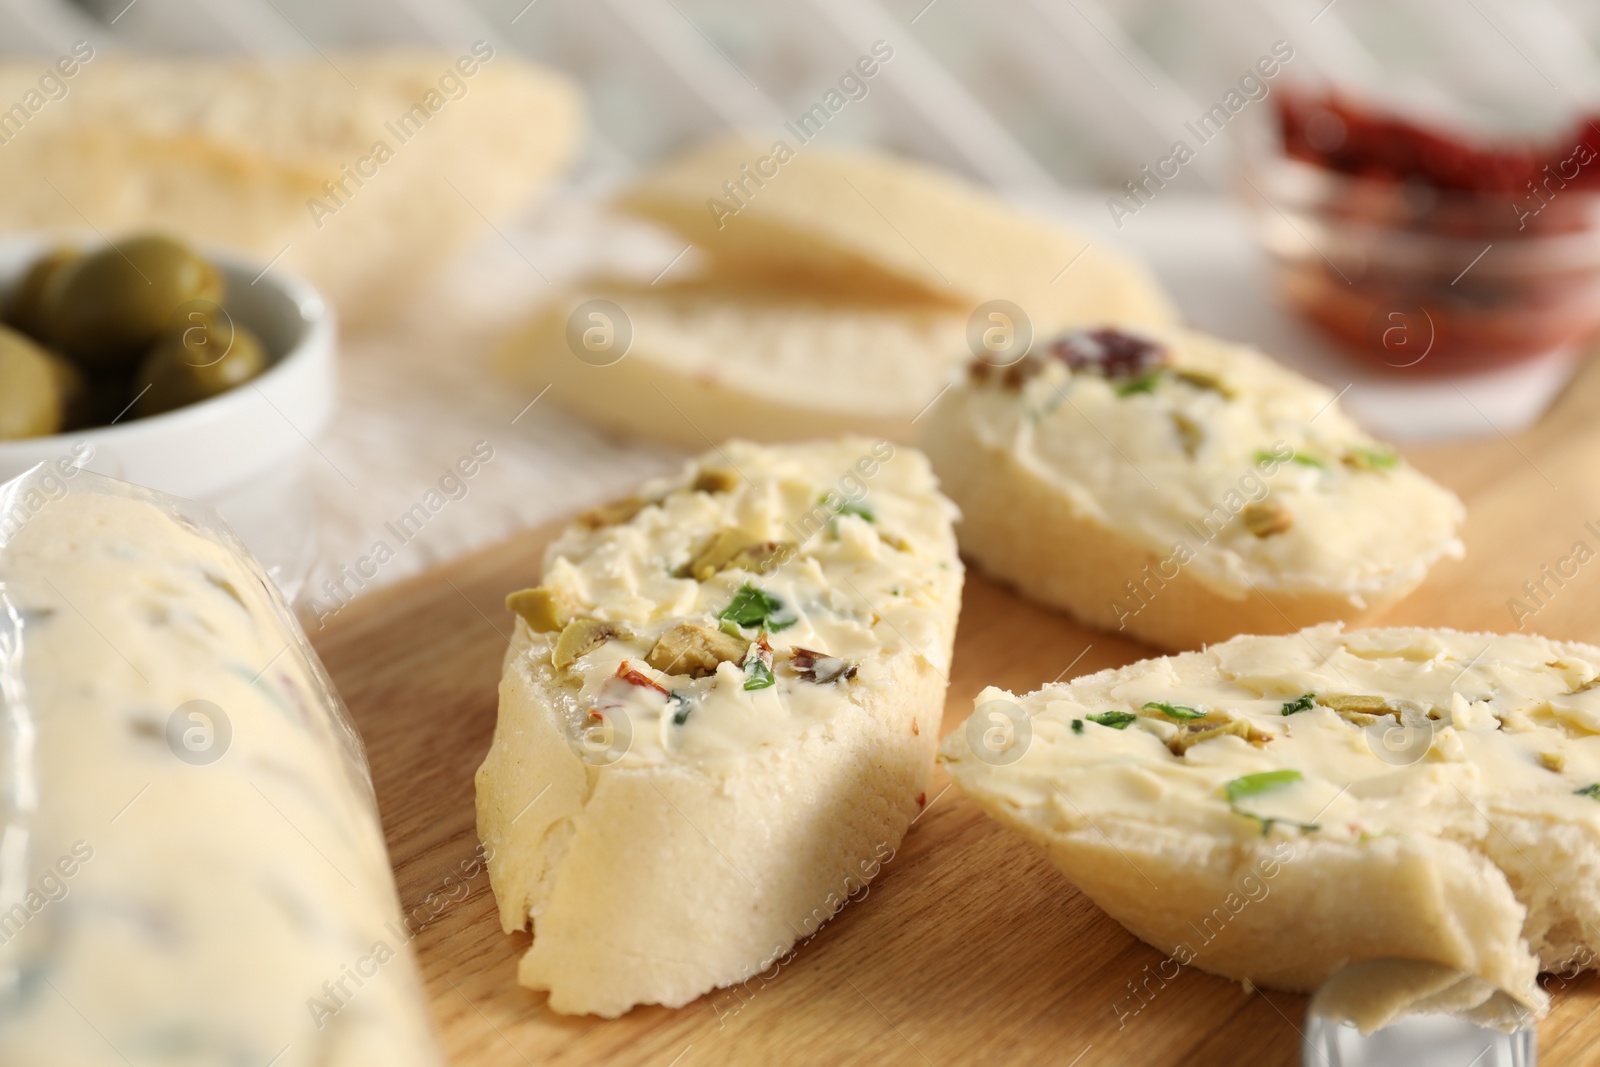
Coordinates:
[970,947]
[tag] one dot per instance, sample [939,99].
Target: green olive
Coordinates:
[203,360]
[107,308]
[25,307]
[39,391]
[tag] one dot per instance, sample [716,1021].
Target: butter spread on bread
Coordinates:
[717,714]
[1181,488]
[1429,794]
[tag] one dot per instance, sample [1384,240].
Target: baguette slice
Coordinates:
[691,773]
[710,360]
[1425,794]
[1181,488]
[885,227]
[236,153]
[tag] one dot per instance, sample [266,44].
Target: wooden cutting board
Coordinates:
[969,947]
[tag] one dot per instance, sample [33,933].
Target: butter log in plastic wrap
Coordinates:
[192,869]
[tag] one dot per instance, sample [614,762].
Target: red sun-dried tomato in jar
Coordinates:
[1426,249]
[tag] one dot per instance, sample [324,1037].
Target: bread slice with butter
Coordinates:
[1181,489]
[837,299]
[717,717]
[1273,808]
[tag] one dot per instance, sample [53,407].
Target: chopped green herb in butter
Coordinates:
[1301,703]
[680,705]
[753,608]
[757,675]
[1176,711]
[1252,784]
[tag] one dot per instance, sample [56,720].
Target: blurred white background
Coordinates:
[1056,103]
[1020,93]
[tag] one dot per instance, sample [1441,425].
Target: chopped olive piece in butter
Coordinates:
[1191,435]
[1265,519]
[694,650]
[1359,709]
[1212,727]
[715,554]
[580,637]
[612,514]
[716,480]
[544,611]
[729,549]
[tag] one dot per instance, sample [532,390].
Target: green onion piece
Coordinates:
[1144,383]
[1371,459]
[1590,791]
[1301,703]
[860,511]
[1252,784]
[1302,458]
[1117,720]
[679,704]
[757,675]
[1176,711]
[1077,726]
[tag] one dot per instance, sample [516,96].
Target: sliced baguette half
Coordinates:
[717,718]
[342,167]
[713,359]
[886,227]
[1273,808]
[1181,489]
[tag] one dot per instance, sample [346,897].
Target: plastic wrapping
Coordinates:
[192,870]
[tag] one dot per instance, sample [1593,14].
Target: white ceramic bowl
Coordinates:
[244,451]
